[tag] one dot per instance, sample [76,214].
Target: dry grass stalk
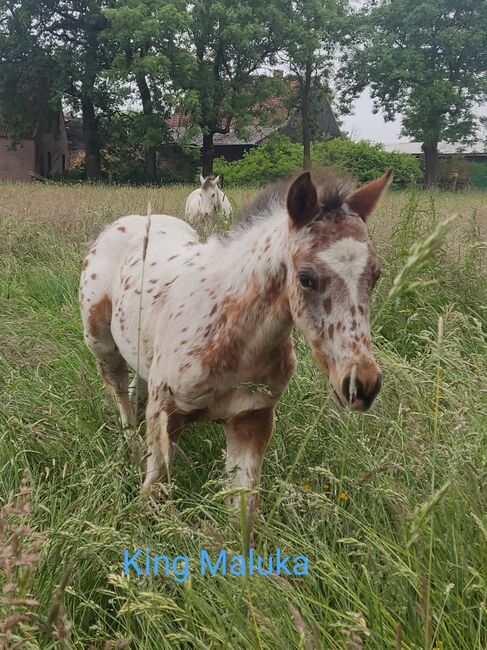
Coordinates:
[19,553]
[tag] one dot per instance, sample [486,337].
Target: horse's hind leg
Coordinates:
[138,396]
[113,370]
[164,427]
[111,364]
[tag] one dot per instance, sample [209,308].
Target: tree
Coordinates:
[425,59]
[147,37]
[71,31]
[25,71]
[312,32]
[66,34]
[230,41]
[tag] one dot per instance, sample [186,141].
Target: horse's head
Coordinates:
[332,270]
[210,194]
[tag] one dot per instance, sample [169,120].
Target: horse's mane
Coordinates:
[332,193]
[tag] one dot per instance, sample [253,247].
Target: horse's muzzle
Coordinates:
[361,392]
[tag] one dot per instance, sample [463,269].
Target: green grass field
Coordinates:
[389,507]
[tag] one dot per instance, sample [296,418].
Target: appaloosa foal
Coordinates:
[206,325]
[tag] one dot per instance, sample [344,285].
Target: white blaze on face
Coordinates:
[347,258]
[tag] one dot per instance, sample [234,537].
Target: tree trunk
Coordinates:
[92,141]
[207,155]
[430,150]
[150,152]
[305,109]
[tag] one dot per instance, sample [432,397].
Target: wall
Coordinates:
[52,143]
[15,164]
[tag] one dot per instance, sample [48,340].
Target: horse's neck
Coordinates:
[252,270]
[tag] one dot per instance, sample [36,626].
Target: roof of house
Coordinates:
[445,148]
[278,111]
[35,97]
[256,134]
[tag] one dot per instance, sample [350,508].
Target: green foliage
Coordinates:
[146,38]
[479,175]
[280,157]
[275,159]
[123,155]
[365,161]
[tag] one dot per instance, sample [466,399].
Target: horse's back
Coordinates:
[123,240]
[113,274]
[226,205]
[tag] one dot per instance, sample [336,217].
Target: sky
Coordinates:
[364,125]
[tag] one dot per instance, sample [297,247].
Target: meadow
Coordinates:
[389,507]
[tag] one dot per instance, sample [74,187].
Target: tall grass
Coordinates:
[389,507]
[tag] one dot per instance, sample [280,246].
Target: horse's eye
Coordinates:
[308,281]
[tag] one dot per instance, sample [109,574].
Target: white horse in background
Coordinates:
[207,202]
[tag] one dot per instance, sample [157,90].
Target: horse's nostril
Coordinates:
[361,394]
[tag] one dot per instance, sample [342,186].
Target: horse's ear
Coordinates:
[302,200]
[202,179]
[364,200]
[216,181]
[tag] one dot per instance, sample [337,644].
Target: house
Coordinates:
[285,121]
[76,141]
[476,152]
[39,147]
[451,154]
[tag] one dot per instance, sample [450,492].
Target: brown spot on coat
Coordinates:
[100,315]
[122,228]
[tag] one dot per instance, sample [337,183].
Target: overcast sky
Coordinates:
[364,125]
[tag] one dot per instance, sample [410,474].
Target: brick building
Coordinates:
[39,147]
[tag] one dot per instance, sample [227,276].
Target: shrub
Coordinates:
[365,161]
[275,159]
[280,157]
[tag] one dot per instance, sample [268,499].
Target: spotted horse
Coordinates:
[207,325]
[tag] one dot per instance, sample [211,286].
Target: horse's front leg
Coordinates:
[248,435]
